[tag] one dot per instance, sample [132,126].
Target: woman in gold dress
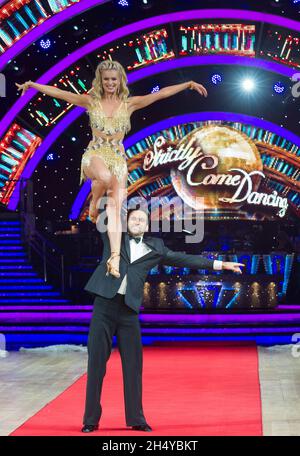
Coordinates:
[104,160]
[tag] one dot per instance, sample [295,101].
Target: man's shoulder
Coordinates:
[154,239]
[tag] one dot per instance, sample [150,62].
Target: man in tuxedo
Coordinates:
[116,311]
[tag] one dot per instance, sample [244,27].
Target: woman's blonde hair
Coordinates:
[97,91]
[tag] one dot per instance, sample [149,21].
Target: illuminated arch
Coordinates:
[84,5]
[126,30]
[49,24]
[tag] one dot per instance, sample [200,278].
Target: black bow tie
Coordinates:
[136,238]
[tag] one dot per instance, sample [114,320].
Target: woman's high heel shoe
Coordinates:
[110,269]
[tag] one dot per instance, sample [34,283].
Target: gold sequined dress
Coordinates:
[107,141]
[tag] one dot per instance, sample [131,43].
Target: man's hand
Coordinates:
[231,266]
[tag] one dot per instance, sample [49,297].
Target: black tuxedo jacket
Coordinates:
[108,286]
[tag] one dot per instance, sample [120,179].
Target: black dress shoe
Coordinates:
[142,427]
[89,427]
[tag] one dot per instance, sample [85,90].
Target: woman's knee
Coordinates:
[105,178]
[117,196]
[97,185]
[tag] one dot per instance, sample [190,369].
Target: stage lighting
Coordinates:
[295,3]
[123,3]
[146,4]
[52,156]
[277,3]
[248,85]
[45,44]
[216,79]
[155,89]
[278,87]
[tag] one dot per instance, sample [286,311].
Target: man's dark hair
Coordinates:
[143,209]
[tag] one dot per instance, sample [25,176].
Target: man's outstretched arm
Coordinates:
[185,260]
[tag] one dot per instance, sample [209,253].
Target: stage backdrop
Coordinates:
[218,169]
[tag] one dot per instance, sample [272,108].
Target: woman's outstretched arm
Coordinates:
[145,100]
[70,97]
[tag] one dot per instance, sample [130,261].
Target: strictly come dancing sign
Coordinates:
[216,167]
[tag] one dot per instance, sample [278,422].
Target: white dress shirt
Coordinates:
[137,250]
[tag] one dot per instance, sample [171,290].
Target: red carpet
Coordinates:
[188,390]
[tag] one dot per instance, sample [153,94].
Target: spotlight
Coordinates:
[45,44]
[123,3]
[52,156]
[216,79]
[146,4]
[277,3]
[278,87]
[155,89]
[248,85]
[295,4]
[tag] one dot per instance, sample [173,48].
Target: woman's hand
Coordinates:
[24,87]
[199,88]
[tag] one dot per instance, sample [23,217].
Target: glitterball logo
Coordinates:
[217,167]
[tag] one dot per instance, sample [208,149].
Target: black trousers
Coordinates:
[110,317]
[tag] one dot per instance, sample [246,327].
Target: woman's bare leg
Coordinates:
[98,190]
[116,195]
[101,177]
